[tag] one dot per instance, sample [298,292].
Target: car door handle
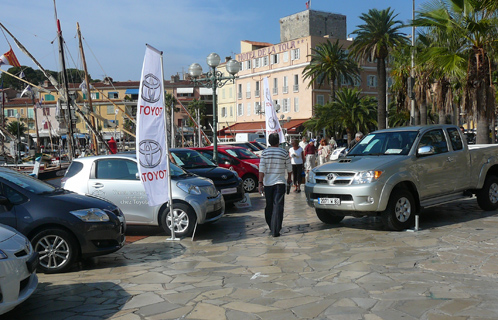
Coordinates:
[450,159]
[97,185]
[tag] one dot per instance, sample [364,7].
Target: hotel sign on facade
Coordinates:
[278,48]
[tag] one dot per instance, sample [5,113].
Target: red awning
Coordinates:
[259,126]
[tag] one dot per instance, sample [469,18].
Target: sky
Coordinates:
[186,31]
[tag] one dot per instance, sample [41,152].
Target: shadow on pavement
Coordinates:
[102,300]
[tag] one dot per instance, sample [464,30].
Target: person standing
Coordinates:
[324,151]
[274,163]
[303,143]
[296,154]
[357,138]
[310,155]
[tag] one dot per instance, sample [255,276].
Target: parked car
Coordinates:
[259,145]
[115,178]
[62,226]
[18,262]
[243,144]
[242,154]
[249,172]
[227,182]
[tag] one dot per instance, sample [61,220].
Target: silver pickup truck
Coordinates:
[394,173]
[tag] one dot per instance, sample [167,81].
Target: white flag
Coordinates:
[272,123]
[27,91]
[151,134]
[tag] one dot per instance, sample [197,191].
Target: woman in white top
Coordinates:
[324,151]
[296,154]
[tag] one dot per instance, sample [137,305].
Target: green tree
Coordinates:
[34,76]
[476,22]
[192,108]
[329,63]
[374,40]
[14,125]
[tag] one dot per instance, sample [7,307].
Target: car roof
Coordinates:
[418,128]
[131,156]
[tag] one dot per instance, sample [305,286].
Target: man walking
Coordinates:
[274,163]
[310,155]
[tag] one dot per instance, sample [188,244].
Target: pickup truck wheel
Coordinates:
[326,217]
[400,212]
[487,197]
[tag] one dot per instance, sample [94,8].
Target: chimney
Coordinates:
[228,59]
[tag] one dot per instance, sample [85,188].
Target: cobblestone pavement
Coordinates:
[233,269]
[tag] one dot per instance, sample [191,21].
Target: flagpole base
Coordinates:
[173,239]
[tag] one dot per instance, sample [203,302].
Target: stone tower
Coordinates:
[313,23]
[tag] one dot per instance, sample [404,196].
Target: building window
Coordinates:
[240,109]
[22,112]
[295,54]
[95,95]
[223,112]
[248,64]
[248,90]
[274,58]
[296,104]
[256,63]
[372,81]
[275,104]
[239,93]
[112,95]
[285,87]
[265,61]
[357,81]
[248,108]
[286,56]
[110,109]
[230,93]
[320,99]
[257,107]
[9,112]
[49,97]
[223,93]
[31,114]
[241,66]
[285,105]
[256,92]
[275,85]
[231,111]
[296,83]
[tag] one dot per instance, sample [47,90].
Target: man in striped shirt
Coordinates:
[274,163]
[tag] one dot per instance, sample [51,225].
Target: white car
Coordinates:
[18,262]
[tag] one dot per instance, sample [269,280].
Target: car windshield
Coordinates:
[176,171]
[27,183]
[190,159]
[385,143]
[241,153]
[258,145]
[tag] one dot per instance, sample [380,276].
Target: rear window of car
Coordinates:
[73,169]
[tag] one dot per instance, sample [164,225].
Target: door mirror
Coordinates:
[137,176]
[4,201]
[425,151]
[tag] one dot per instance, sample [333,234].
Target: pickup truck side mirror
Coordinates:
[425,151]
[4,200]
[137,176]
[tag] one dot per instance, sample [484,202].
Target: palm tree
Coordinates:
[476,22]
[329,63]
[375,39]
[352,112]
[14,126]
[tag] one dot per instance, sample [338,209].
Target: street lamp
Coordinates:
[214,79]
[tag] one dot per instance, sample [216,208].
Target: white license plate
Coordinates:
[229,191]
[329,201]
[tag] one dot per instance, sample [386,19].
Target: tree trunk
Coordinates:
[423,111]
[381,93]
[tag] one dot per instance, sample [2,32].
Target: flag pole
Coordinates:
[172,225]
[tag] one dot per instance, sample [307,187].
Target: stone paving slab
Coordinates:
[233,269]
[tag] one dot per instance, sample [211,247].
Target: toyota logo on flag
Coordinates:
[150,153]
[151,88]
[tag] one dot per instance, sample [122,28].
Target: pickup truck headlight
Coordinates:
[366,177]
[189,188]
[91,215]
[311,176]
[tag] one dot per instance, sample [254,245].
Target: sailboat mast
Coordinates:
[67,112]
[89,96]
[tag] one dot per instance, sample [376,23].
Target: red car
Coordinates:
[247,168]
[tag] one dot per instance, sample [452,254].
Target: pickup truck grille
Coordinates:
[343,197]
[334,178]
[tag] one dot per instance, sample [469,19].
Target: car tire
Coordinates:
[250,183]
[326,217]
[400,212]
[487,197]
[185,220]
[57,249]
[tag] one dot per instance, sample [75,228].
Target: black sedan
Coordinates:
[61,225]
[227,182]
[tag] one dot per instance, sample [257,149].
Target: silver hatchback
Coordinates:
[115,178]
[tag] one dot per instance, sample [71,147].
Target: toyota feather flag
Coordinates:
[272,123]
[151,145]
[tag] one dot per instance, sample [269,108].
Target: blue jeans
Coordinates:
[274,211]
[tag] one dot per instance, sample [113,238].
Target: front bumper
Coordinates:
[364,197]
[207,209]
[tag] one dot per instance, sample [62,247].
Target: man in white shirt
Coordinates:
[303,143]
[274,163]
